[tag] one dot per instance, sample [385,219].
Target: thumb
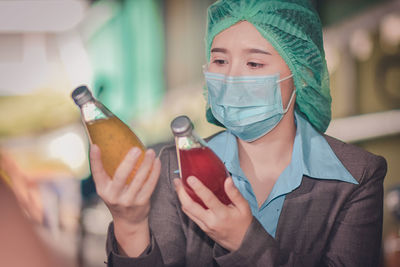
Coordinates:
[100,176]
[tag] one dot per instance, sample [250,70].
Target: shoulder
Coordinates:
[166,152]
[359,162]
[213,135]
[162,147]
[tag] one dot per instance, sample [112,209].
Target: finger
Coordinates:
[191,208]
[142,173]
[100,176]
[198,221]
[204,193]
[234,194]
[151,182]
[125,168]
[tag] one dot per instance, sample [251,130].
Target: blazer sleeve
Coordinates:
[355,238]
[165,227]
[258,248]
[151,256]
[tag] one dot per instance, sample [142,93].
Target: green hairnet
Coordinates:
[293,28]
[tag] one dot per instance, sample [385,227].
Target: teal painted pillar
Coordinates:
[127,55]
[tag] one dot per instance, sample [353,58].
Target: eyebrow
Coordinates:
[250,50]
[257,51]
[220,50]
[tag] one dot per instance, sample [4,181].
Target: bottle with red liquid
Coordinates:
[195,158]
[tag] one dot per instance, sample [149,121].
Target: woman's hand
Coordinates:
[129,204]
[225,224]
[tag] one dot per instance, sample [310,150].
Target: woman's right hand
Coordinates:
[129,204]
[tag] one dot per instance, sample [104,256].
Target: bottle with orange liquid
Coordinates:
[195,158]
[106,130]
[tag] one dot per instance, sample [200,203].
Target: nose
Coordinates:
[234,69]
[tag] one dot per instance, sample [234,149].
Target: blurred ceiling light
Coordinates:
[361,44]
[365,126]
[34,69]
[390,30]
[18,78]
[332,57]
[74,58]
[97,16]
[40,15]
[70,149]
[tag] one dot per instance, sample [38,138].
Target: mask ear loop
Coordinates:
[290,101]
[293,93]
[284,79]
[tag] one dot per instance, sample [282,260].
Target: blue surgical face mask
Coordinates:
[248,106]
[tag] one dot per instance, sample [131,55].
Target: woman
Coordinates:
[300,198]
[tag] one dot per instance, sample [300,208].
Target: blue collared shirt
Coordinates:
[311,156]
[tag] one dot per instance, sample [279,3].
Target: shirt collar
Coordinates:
[310,148]
[225,146]
[319,160]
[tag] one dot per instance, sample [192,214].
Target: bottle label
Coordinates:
[93,113]
[185,143]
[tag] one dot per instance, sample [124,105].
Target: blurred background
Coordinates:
[143,59]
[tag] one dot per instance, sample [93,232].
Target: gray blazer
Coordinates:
[322,223]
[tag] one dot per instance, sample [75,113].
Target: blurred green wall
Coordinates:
[127,55]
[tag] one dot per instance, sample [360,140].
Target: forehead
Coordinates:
[241,35]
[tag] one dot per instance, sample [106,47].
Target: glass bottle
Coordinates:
[106,130]
[195,158]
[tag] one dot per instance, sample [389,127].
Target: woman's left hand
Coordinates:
[225,224]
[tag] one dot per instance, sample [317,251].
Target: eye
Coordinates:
[255,65]
[220,61]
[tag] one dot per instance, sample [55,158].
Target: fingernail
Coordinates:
[134,151]
[191,180]
[150,152]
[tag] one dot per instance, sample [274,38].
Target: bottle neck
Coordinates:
[94,110]
[186,142]
[189,141]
